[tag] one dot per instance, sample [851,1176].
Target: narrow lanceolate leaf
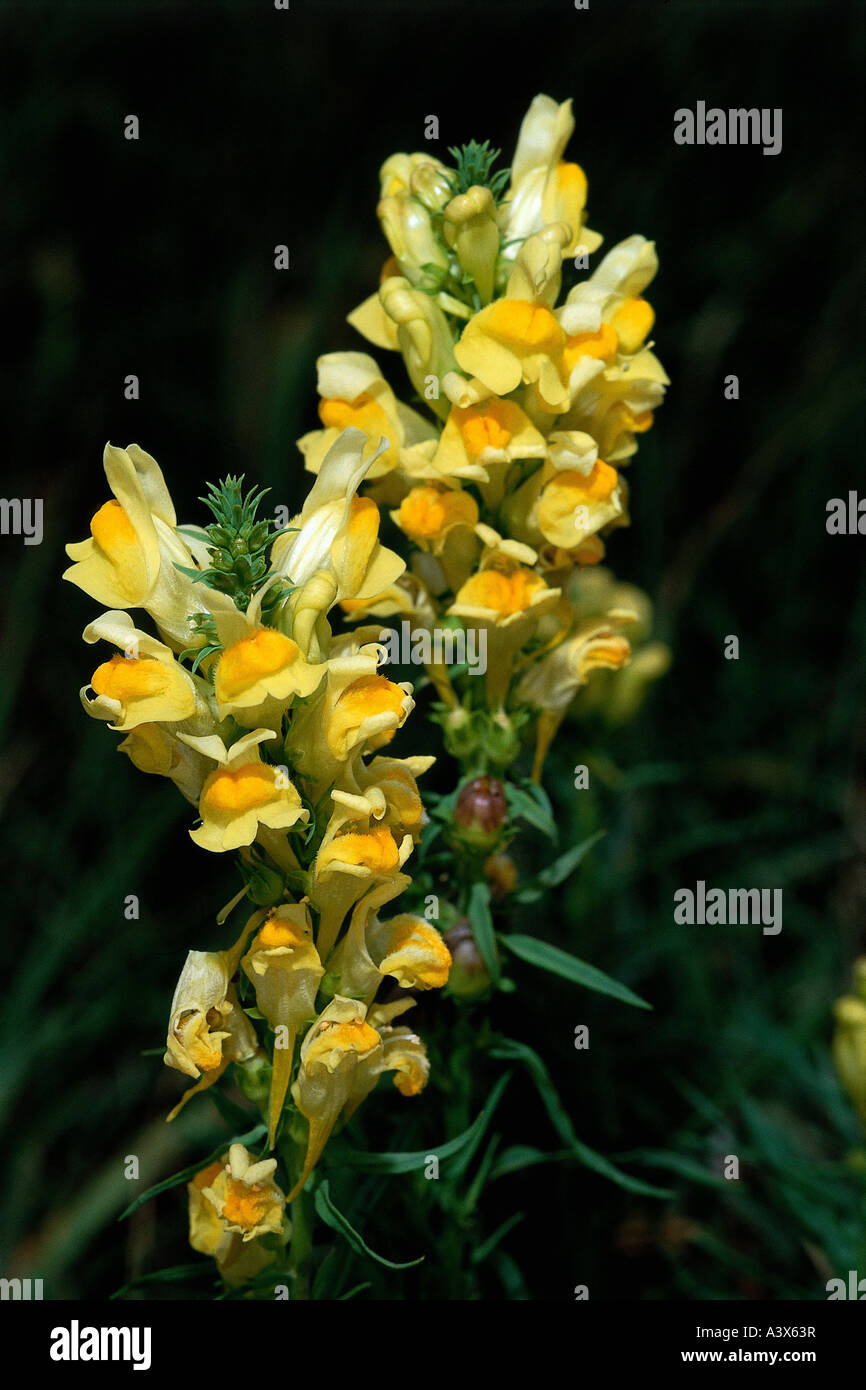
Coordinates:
[339,1155]
[558,962]
[511,1050]
[564,866]
[177,1274]
[482,928]
[251,1137]
[522,806]
[338,1222]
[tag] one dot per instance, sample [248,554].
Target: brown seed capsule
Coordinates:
[480,812]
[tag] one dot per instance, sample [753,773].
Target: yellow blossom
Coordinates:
[284,967]
[243,793]
[341,1054]
[131,557]
[207,1028]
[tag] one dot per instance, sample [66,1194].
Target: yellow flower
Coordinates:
[237,1260]
[145,685]
[284,967]
[543,188]
[260,670]
[355,395]
[441,521]
[402,1050]
[506,598]
[340,1058]
[355,853]
[511,342]
[236,1214]
[243,793]
[335,552]
[207,1028]
[572,505]
[130,559]
[408,948]
[477,438]
[357,710]
[549,685]
[605,361]
[394,780]
[615,696]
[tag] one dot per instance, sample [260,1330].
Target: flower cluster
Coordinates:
[536,397]
[277,732]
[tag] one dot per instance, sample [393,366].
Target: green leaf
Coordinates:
[251,1137]
[339,1223]
[482,928]
[558,962]
[511,1050]
[490,1244]
[340,1155]
[481,1124]
[564,866]
[681,1164]
[176,1274]
[520,1156]
[522,806]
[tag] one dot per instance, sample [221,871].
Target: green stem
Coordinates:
[301,1247]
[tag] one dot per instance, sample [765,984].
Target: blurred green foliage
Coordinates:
[156,257]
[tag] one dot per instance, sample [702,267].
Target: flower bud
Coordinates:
[481,812]
[468,978]
[501,873]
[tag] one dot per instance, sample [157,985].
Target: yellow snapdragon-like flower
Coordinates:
[243,793]
[482,441]
[284,967]
[130,559]
[332,550]
[207,1028]
[356,852]
[233,1204]
[512,342]
[565,506]
[544,188]
[143,686]
[403,1051]
[441,521]
[358,710]
[340,1059]
[355,395]
[407,947]
[506,597]
[260,670]
[550,683]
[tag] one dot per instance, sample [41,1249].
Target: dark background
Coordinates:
[156,258]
